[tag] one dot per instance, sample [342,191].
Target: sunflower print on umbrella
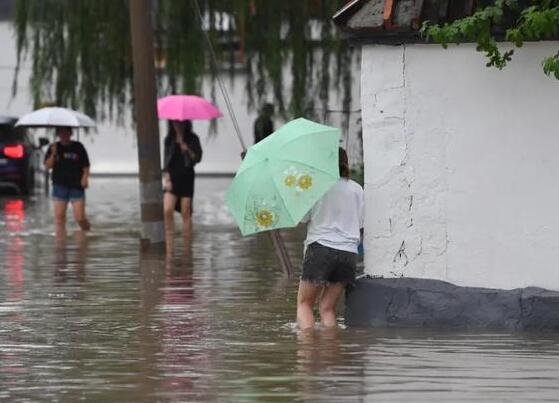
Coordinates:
[298,180]
[264,214]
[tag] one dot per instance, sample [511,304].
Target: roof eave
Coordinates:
[381,37]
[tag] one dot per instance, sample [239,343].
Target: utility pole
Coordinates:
[149,159]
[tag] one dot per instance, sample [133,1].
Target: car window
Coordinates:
[9,134]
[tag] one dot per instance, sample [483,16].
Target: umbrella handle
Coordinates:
[279,246]
[281,252]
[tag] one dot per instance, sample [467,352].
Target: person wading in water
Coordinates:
[69,162]
[333,235]
[182,150]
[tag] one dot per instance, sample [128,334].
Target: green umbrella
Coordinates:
[283,176]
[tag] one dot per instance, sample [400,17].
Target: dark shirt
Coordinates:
[178,165]
[70,162]
[175,160]
[263,127]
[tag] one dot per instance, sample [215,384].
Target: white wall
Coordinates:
[461,165]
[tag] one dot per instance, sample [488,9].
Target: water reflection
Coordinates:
[14,261]
[71,256]
[176,321]
[317,350]
[182,325]
[152,278]
[14,218]
[14,215]
[92,317]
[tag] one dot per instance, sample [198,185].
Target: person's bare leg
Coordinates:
[78,208]
[60,219]
[328,302]
[306,297]
[169,201]
[186,213]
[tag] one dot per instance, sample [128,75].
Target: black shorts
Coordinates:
[324,265]
[183,184]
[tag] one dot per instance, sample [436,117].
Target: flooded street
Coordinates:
[93,319]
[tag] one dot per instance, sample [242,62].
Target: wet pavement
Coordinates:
[94,319]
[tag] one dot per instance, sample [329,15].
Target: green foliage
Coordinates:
[61,46]
[551,66]
[81,55]
[536,22]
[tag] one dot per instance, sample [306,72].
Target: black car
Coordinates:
[20,157]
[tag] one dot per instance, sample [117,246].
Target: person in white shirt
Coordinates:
[333,235]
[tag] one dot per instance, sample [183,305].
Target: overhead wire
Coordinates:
[224,92]
[275,235]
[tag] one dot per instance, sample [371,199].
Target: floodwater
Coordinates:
[94,319]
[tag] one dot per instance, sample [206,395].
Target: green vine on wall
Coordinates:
[538,21]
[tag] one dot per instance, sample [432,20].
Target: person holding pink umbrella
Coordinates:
[182,151]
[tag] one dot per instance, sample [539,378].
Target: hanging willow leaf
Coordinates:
[81,55]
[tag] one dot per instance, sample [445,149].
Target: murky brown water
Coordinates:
[93,320]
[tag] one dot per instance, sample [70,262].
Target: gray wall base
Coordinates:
[413,302]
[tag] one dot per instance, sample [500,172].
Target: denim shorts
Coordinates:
[66,194]
[324,265]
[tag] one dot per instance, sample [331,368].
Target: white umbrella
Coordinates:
[7,120]
[55,116]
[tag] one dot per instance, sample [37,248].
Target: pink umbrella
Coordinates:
[186,107]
